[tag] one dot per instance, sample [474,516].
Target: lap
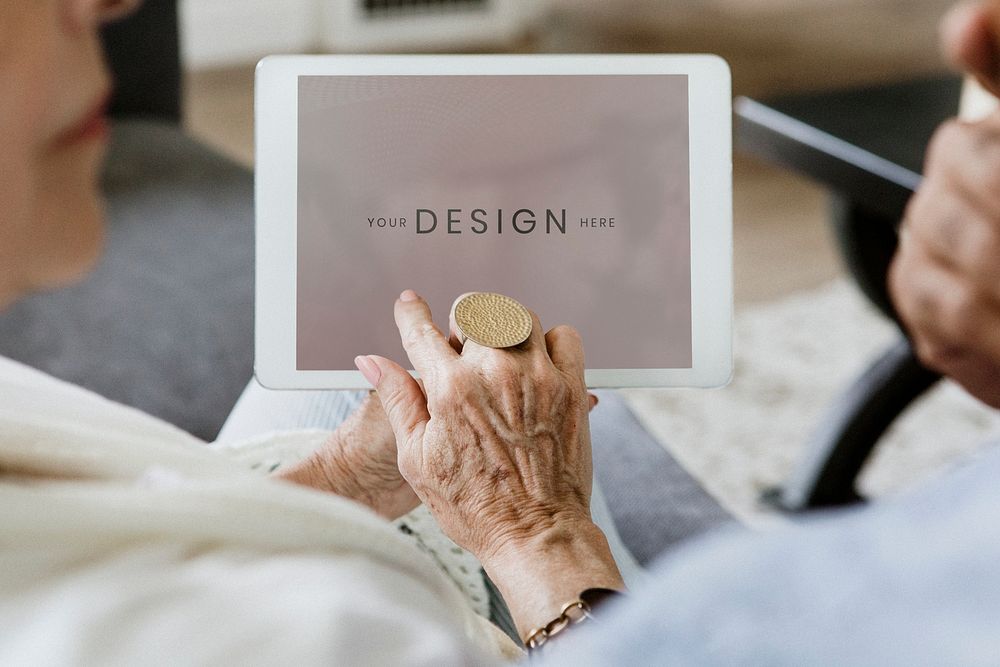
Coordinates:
[648,498]
[643,499]
[261,410]
[654,502]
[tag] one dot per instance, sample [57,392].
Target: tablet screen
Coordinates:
[570,193]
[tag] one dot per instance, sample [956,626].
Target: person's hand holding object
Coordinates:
[945,278]
[497,445]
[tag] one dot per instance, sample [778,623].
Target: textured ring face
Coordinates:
[493,320]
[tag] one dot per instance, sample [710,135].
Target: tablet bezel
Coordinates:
[710,126]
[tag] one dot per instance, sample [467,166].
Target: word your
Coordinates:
[386,222]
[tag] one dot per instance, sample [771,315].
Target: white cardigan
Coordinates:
[125,541]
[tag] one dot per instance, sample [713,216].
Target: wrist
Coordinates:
[325,470]
[540,573]
[349,472]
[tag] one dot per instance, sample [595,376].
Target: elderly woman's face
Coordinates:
[53,90]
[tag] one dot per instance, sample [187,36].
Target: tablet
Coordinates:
[595,190]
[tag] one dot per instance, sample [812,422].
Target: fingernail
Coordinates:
[369,369]
[409,295]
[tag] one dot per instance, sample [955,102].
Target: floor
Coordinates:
[794,357]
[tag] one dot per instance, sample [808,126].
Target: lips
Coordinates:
[92,126]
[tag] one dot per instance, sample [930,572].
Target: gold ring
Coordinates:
[492,320]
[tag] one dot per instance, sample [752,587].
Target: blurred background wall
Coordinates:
[773,46]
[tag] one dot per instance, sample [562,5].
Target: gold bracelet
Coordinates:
[573,612]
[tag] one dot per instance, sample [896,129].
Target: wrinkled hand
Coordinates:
[359,462]
[499,449]
[497,445]
[945,279]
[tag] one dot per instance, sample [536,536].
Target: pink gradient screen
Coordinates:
[569,193]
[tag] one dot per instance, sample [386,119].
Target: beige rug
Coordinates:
[793,357]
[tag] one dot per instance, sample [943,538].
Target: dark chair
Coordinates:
[165,321]
[867,146]
[144,54]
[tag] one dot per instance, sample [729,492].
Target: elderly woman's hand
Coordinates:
[359,462]
[497,444]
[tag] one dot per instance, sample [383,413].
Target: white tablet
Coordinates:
[595,190]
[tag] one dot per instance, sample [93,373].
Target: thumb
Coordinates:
[402,399]
[970,41]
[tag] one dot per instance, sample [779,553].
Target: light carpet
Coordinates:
[793,357]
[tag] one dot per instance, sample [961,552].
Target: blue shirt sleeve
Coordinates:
[914,581]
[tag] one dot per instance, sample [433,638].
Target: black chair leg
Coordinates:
[867,240]
[837,451]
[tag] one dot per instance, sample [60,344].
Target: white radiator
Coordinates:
[228,32]
[423,25]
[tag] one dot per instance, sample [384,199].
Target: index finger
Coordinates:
[531,354]
[424,343]
[533,345]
